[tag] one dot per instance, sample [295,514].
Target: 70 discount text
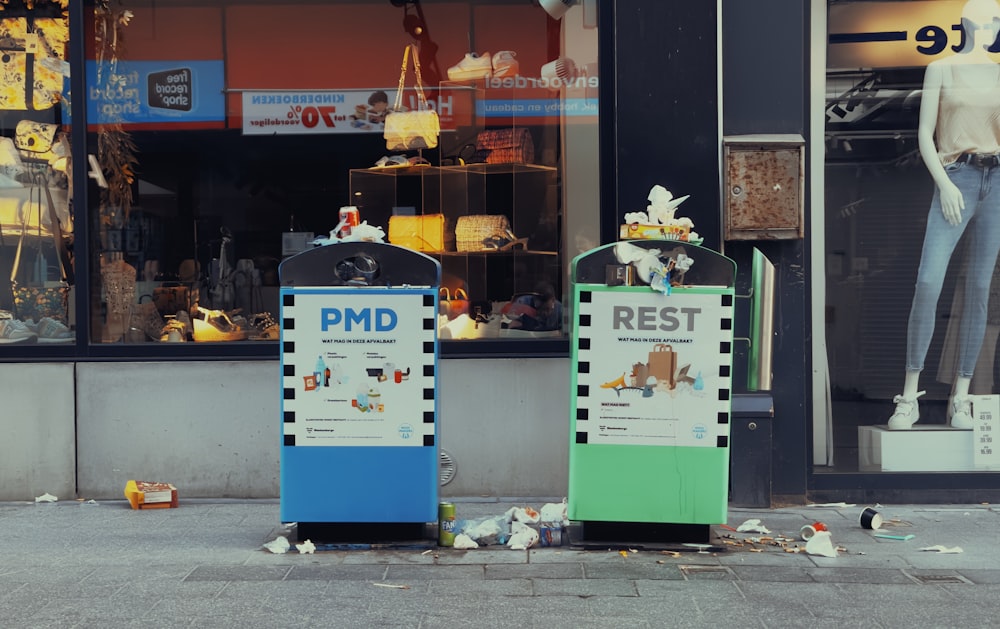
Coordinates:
[311,116]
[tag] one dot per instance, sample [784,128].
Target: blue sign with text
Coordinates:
[156,91]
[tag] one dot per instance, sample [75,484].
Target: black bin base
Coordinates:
[362,532]
[638,534]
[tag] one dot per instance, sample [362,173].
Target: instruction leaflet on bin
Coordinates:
[359,369]
[658,368]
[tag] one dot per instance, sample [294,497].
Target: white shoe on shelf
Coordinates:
[472,66]
[960,413]
[907,412]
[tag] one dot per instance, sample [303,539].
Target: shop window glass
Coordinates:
[912,104]
[232,134]
[36,212]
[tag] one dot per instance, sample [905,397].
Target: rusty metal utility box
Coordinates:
[764,186]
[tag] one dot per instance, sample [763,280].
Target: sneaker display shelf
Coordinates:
[923,448]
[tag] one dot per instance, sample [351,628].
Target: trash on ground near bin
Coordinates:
[306,548]
[464,542]
[149,495]
[944,550]
[522,536]
[752,526]
[278,546]
[821,543]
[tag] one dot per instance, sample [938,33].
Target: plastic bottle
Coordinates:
[320,371]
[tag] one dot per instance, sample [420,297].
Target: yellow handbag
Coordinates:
[420,233]
[406,130]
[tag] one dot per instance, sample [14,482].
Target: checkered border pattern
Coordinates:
[425,414]
[717,405]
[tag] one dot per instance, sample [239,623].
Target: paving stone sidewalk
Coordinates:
[69,564]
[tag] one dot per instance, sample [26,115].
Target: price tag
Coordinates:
[986,431]
[31,43]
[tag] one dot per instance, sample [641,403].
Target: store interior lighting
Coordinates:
[556,8]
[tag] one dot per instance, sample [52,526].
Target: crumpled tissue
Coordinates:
[752,526]
[522,536]
[306,547]
[464,542]
[278,546]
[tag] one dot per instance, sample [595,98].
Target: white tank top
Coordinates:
[968,115]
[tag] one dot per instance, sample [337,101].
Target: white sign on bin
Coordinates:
[986,431]
[358,368]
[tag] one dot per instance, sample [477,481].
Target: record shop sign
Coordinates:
[896,34]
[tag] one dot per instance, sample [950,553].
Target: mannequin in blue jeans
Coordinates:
[959,140]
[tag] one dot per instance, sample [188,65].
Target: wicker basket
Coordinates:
[470,231]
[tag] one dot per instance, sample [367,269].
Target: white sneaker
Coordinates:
[15,331]
[51,331]
[906,414]
[960,413]
[472,66]
[504,64]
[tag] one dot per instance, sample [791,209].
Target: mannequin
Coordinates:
[959,139]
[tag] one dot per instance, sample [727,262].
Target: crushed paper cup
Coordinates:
[821,543]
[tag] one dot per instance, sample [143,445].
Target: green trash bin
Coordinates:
[651,389]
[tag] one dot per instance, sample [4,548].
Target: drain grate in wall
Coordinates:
[935,579]
[448,468]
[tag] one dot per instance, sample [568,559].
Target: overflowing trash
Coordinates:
[518,528]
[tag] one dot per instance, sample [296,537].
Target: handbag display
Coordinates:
[471,231]
[170,299]
[31,75]
[45,300]
[36,140]
[406,130]
[426,232]
[506,146]
[453,304]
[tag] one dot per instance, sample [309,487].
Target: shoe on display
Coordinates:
[173,332]
[16,331]
[906,414]
[504,64]
[51,331]
[216,326]
[472,66]
[263,327]
[960,413]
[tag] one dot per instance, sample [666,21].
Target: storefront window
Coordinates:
[912,310]
[36,212]
[233,134]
